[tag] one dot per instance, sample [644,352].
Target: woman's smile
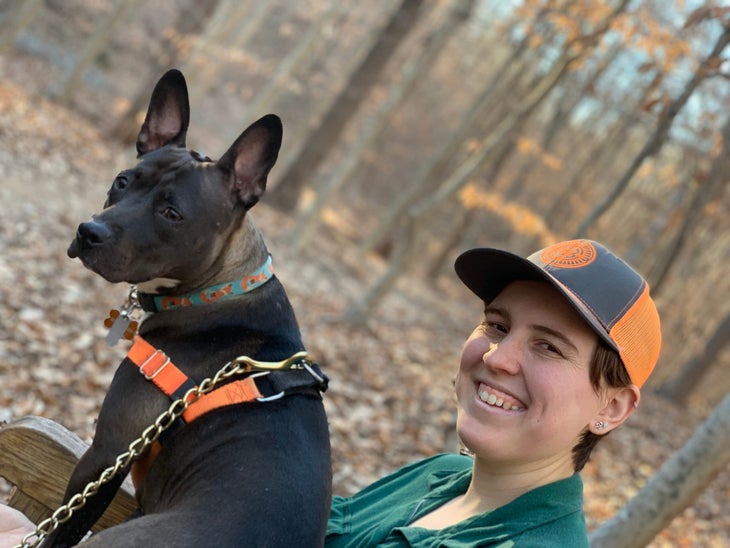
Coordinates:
[494,397]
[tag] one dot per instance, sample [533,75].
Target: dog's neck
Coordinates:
[243,263]
[211,294]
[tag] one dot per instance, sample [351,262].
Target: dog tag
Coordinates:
[120,327]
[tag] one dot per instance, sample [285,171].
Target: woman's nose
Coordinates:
[492,347]
[503,356]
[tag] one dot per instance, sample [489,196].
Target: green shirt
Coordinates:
[551,515]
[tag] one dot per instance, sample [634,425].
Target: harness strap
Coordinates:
[156,367]
[240,391]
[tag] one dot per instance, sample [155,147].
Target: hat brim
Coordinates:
[488,271]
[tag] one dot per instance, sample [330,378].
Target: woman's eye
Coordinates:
[494,328]
[171,214]
[551,349]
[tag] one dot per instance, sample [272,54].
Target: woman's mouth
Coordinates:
[496,398]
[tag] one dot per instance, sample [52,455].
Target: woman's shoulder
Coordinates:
[411,481]
[443,462]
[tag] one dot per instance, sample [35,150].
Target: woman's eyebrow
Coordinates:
[488,309]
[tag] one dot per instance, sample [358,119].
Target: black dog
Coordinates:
[249,466]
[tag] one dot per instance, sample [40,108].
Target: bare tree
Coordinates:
[373,126]
[692,372]
[571,97]
[16,20]
[267,96]
[488,154]
[705,191]
[94,45]
[231,26]
[190,20]
[437,168]
[595,160]
[321,140]
[656,140]
[677,484]
[417,216]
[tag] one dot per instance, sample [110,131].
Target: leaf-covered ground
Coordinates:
[390,399]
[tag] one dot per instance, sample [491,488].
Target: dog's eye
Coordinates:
[171,214]
[121,182]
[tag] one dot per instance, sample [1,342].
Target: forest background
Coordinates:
[413,130]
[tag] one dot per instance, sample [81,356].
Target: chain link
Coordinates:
[240,365]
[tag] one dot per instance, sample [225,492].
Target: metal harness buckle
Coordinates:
[157,353]
[266,398]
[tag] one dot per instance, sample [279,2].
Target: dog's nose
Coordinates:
[93,233]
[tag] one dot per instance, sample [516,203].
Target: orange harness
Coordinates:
[159,369]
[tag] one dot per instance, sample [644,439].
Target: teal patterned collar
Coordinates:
[214,293]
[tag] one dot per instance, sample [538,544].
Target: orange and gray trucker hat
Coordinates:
[610,295]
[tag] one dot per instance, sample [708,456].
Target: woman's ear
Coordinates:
[621,403]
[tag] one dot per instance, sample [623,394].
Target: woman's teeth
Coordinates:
[499,401]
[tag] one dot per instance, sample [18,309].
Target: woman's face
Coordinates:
[523,388]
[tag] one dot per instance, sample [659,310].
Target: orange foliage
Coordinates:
[525,145]
[640,28]
[646,169]
[535,41]
[530,146]
[668,175]
[567,25]
[552,162]
[664,46]
[522,219]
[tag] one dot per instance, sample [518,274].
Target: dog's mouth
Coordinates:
[95,261]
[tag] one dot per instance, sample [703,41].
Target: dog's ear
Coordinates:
[248,161]
[168,115]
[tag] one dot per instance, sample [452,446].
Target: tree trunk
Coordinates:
[19,17]
[497,140]
[189,20]
[267,96]
[373,126]
[703,194]
[436,170]
[94,45]
[493,146]
[570,99]
[655,142]
[322,139]
[232,25]
[681,386]
[452,239]
[679,482]
[359,311]
[492,149]
[593,163]
[507,77]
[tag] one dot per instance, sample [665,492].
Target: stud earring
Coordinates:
[600,425]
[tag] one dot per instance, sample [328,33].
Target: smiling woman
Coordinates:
[568,337]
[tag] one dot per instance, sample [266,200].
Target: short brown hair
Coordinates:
[606,369]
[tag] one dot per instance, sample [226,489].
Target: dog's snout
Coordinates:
[93,233]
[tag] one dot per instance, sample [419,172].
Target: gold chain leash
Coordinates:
[240,365]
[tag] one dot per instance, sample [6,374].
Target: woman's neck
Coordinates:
[492,486]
